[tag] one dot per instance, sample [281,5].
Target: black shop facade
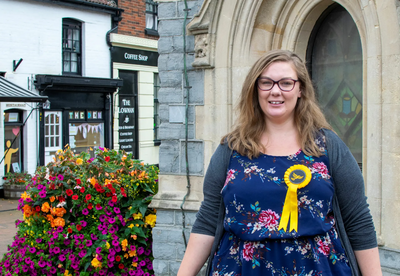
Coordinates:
[78,112]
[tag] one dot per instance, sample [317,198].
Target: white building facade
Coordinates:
[58,50]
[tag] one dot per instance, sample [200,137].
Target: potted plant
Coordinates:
[14,184]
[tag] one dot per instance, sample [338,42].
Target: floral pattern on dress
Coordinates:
[254,194]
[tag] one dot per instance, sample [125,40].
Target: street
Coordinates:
[8,215]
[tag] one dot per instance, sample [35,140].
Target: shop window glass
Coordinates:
[71,46]
[86,130]
[13,141]
[335,58]
[156,109]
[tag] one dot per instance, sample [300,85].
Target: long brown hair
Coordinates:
[309,119]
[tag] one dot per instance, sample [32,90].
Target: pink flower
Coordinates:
[320,168]
[269,219]
[60,177]
[248,251]
[323,247]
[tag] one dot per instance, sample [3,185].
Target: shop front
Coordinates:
[78,114]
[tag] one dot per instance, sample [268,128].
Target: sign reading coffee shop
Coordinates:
[127,121]
[134,56]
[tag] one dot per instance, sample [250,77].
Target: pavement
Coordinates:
[8,215]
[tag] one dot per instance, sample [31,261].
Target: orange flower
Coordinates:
[52,199]
[27,211]
[60,212]
[59,222]
[53,211]
[51,219]
[45,207]
[93,181]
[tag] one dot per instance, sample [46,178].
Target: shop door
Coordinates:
[52,134]
[128,113]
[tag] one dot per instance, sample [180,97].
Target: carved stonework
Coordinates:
[201,51]
[202,28]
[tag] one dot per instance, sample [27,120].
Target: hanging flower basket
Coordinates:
[86,216]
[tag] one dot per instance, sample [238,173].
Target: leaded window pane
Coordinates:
[336,66]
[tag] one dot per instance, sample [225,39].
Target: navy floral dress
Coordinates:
[254,243]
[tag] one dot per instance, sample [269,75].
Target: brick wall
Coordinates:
[133,18]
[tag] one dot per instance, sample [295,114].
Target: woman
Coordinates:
[282,194]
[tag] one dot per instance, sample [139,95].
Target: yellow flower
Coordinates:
[93,181]
[132,253]
[151,220]
[66,273]
[25,196]
[134,264]
[96,262]
[131,226]
[124,244]
[59,152]
[79,161]
[108,245]
[137,216]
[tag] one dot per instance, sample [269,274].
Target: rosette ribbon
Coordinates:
[296,177]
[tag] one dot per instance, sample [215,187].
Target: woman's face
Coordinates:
[278,106]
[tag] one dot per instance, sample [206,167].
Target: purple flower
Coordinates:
[147,252]
[53,270]
[115,243]
[132,248]
[42,194]
[104,232]
[59,229]
[140,250]
[61,258]
[98,250]
[132,272]
[67,242]
[28,260]
[42,263]
[89,243]
[85,212]
[81,236]
[60,177]
[81,246]
[71,257]
[112,251]
[100,227]
[111,258]
[93,236]
[109,213]
[90,160]
[83,223]
[82,253]
[40,186]
[25,268]
[112,230]
[102,218]
[56,250]
[32,250]
[28,200]
[150,266]
[116,210]
[102,272]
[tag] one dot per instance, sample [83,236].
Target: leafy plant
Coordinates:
[15,178]
[86,216]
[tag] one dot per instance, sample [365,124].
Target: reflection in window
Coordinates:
[151,18]
[336,67]
[71,46]
[83,136]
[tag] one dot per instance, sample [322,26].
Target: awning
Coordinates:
[10,92]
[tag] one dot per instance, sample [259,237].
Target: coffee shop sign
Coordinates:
[136,57]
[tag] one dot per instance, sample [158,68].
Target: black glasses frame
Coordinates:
[277,83]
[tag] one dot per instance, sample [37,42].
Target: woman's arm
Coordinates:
[368,261]
[197,252]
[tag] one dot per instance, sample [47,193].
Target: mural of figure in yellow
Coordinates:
[8,153]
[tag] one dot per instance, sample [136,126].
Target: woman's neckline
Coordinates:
[283,156]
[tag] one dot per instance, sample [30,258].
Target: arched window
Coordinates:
[334,56]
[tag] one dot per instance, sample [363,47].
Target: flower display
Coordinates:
[86,215]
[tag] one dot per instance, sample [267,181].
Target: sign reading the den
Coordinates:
[134,56]
[127,120]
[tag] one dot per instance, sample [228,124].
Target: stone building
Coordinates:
[352,49]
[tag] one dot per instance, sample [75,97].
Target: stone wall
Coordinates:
[169,243]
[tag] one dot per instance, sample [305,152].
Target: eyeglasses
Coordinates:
[266,84]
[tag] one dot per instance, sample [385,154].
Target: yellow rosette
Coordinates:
[296,177]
